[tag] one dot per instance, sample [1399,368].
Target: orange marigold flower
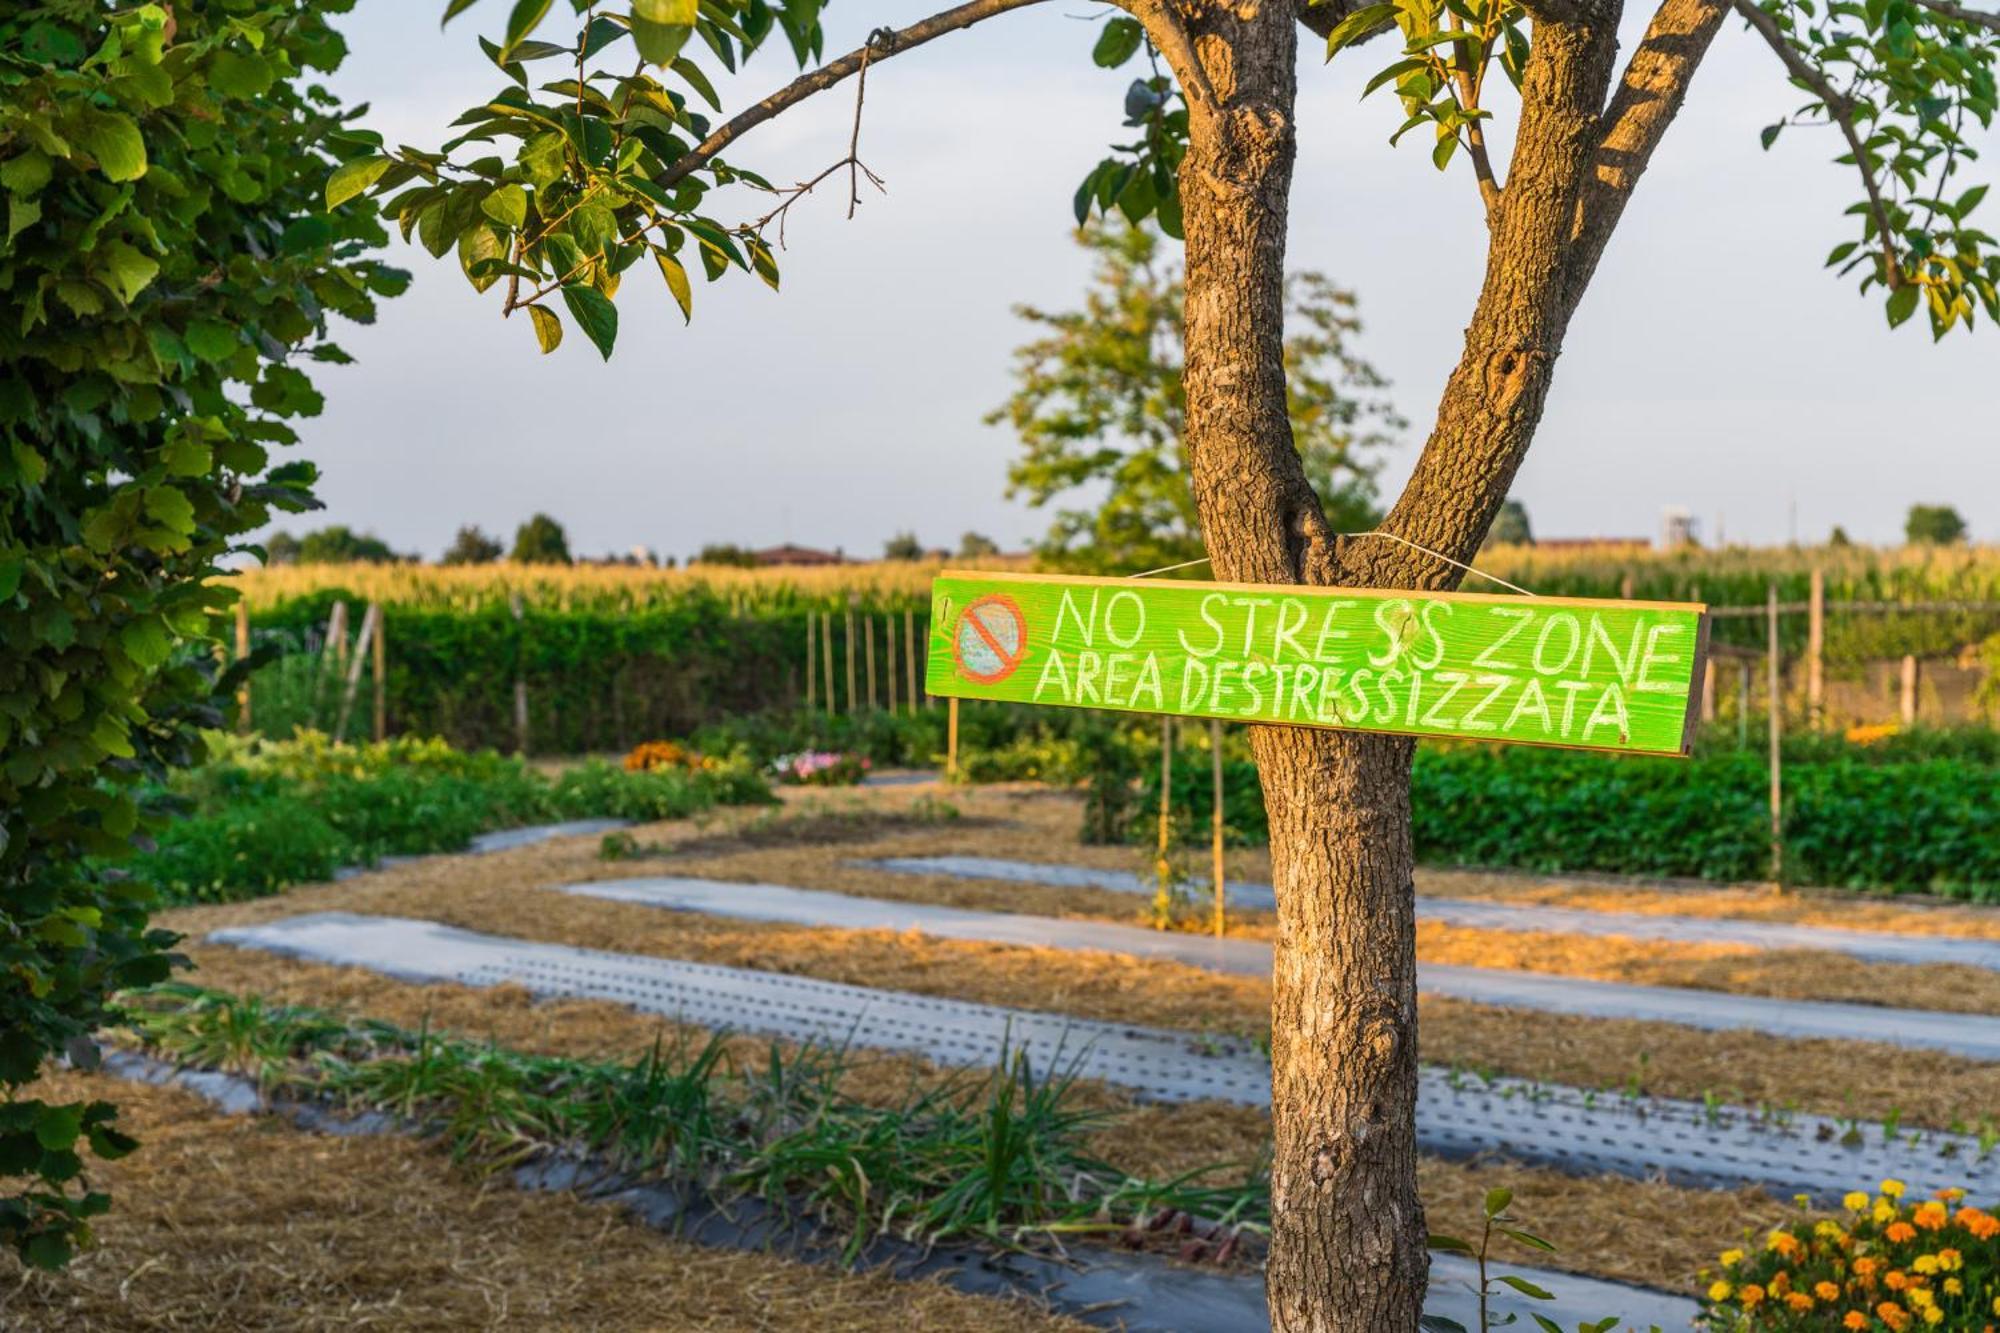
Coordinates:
[1826,1291]
[1894,1315]
[1865,1266]
[1895,1279]
[1930,1216]
[1785,1243]
[1750,1297]
[1855,1319]
[1799,1301]
[1900,1231]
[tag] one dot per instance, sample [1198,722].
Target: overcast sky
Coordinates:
[1713,365]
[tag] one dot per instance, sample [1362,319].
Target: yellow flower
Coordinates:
[1950,1260]
[1884,1211]
[1718,1292]
[1953,1287]
[1730,1258]
[1926,1263]
[1893,1188]
[1933,1315]
[1856,1202]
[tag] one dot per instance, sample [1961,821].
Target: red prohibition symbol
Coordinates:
[990,640]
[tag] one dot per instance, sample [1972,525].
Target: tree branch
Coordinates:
[1840,110]
[1649,96]
[1164,26]
[1978,18]
[880,46]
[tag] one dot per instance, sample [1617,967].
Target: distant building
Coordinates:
[789,554]
[1677,529]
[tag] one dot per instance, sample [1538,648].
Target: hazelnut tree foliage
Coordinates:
[168,276]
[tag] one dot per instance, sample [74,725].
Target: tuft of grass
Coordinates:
[996,1155]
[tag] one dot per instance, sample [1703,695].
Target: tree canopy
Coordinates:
[1934,525]
[540,541]
[1101,410]
[472,547]
[169,278]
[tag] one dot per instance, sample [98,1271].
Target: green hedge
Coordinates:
[1909,826]
[269,817]
[598,679]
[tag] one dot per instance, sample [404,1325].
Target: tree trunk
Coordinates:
[1347,1246]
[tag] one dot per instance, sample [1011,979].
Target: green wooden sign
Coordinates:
[1599,675]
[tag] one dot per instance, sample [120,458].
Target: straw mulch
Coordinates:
[1638,1231]
[227,1222]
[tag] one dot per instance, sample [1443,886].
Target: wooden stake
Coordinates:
[1816,650]
[520,677]
[850,658]
[910,655]
[889,661]
[1708,690]
[826,657]
[812,664]
[868,651]
[1776,686]
[361,647]
[1743,703]
[332,654]
[243,651]
[1163,897]
[1909,690]
[381,672]
[1215,818]
[951,739]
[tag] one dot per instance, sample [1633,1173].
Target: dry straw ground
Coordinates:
[1638,1231]
[245,1224]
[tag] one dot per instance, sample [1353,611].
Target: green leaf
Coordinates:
[1527,1288]
[525,18]
[211,340]
[661,28]
[1497,1200]
[146,642]
[507,205]
[130,272]
[1437,1323]
[1903,302]
[114,140]
[26,173]
[1527,1238]
[1769,134]
[1969,201]
[240,74]
[12,567]
[594,314]
[1117,44]
[1441,154]
[1364,22]
[1395,71]
[1449,1244]
[548,328]
[352,178]
[677,283]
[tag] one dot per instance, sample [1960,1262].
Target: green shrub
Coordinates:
[268,815]
[169,273]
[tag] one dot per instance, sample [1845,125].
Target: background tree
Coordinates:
[608,165]
[281,548]
[1839,537]
[540,541]
[1933,525]
[472,547]
[339,544]
[1102,414]
[167,277]
[1510,526]
[977,546]
[903,546]
[725,553]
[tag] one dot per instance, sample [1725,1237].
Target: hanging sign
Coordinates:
[1590,674]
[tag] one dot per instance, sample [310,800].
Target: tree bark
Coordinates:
[1348,1234]
[1348,1239]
